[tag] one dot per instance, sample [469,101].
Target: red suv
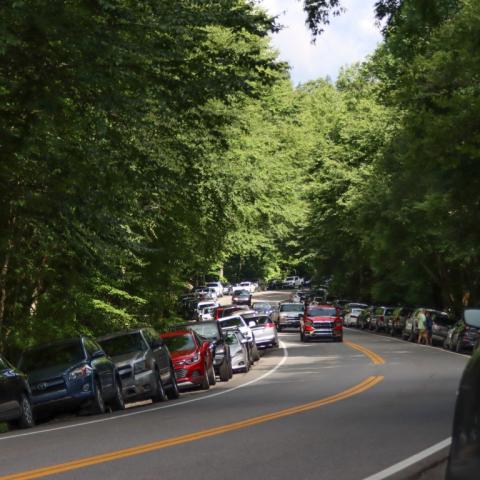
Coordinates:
[321,321]
[192,359]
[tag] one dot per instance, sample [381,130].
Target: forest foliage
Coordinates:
[146,145]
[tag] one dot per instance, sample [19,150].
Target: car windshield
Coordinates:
[356,311]
[322,312]
[291,307]
[242,293]
[123,344]
[48,356]
[178,343]
[472,317]
[206,330]
[232,322]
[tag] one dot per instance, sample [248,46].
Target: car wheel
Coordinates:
[224,371]
[302,337]
[159,395]
[26,419]
[211,376]
[118,403]
[230,369]
[205,385]
[458,346]
[173,392]
[256,353]
[98,404]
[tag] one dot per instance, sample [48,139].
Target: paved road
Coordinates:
[307,411]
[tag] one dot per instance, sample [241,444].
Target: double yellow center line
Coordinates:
[375,358]
[366,384]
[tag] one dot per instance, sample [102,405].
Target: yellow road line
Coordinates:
[170,442]
[374,357]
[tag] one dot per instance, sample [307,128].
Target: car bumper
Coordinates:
[328,334]
[188,378]
[289,323]
[139,386]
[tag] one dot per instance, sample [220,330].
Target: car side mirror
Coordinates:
[98,354]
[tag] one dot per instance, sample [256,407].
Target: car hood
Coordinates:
[182,354]
[127,358]
[51,372]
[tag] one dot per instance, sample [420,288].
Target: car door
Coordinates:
[159,351]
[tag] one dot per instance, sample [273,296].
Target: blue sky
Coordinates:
[348,39]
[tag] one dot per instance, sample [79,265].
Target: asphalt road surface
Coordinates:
[306,411]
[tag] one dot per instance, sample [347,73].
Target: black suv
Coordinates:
[71,375]
[15,397]
[211,331]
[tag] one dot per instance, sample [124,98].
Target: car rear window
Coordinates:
[232,322]
[51,356]
[206,330]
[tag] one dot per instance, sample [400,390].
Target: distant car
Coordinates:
[211,331]
[410,331]
[463,460]
[239,351]
[15,397]
[265,330]
[72,374]
[192,359]
[205,309]
[267,309]
[351,317]
[250,286]
[144,364]
[321,322]
[441,324]
[274,285]
[364,318]
[242,297]
[217,286]
[236,322]
[380,318]
[289,315]
[293,282]
[465,334]
[396,322]
[227,289]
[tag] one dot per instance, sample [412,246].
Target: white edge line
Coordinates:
[398,467]
[149,410]
[395,339]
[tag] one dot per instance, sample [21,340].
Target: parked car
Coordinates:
[274,284]
[464,460]
[144,364]
[217,286]
[293,281]
[351,316]
[228,310]
[465,334]
[441,325]
[242,297]
[239,351]
[321,322]
[363,320]
[15,397]
[289,315]
[73,374]
[227,289]
[396,321]
[250,286]
[192,359]
[236,322]
[264,330]
[380,318]
[212,332]
[204,310]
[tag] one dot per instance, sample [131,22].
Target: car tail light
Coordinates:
[309,328]
[269,325]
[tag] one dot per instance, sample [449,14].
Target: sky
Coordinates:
[348,39]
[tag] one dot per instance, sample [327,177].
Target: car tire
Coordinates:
[173,392]
[302,337]
[211,376]
[98,404]
[458,345]
[224,371]
[205,385]
[117,403]
[160,394]
[256,353]
[27,418]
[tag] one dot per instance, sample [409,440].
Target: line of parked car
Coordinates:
[93,376]
[460,334]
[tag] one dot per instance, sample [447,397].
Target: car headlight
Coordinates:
[80,372]
[140,367]
[190,360]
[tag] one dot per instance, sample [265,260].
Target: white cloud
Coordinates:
[348,39]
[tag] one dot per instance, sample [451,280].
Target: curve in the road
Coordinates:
[374,357]
[366,384]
